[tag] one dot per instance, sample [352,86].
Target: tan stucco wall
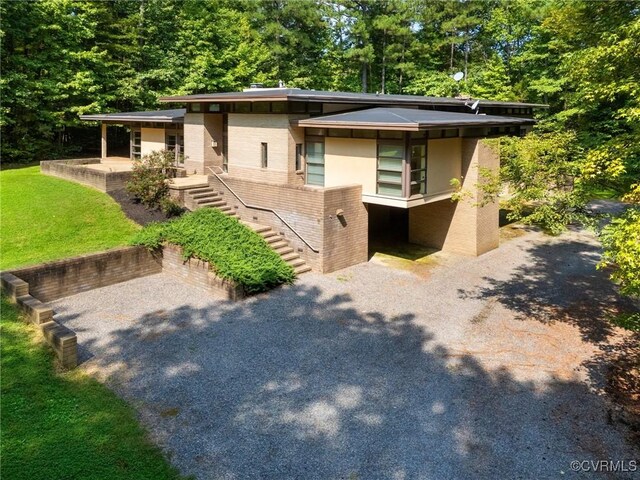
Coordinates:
[151,139]
[444,160]
[348,161]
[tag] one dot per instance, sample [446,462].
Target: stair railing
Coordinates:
[264,209]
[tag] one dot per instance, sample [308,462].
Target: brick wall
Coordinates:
[463,226]
[312,213]
[197,273]
[62,278]
[76,171]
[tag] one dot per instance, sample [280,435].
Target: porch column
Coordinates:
[103,151]
[463,226]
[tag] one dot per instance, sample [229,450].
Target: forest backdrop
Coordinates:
[62,58]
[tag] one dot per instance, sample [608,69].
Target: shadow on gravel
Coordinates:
[296,385]
[563,285]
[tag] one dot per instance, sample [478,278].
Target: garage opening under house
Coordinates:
[332,171]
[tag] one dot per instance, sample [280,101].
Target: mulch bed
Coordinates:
[135,210]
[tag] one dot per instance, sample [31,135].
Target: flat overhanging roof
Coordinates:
[296,94]
[160,116]
[408,119]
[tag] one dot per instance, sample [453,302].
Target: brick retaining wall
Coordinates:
[196,272]
[76,170]
[62,278]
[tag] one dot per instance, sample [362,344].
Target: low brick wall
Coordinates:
[197,273]
[62,278]
[63,340]
[76,170]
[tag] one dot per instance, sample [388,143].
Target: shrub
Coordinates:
[234,251]
[150,179]
[621,242]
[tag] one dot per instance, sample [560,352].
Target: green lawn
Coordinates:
[46,218]
[64,425]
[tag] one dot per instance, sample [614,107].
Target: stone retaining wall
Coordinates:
[76,170]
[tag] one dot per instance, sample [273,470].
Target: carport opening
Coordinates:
[118,141]
[389,233]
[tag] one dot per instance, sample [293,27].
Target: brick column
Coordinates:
[200,129]
[103,150]
[463,226]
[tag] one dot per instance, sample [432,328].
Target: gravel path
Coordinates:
[487,368]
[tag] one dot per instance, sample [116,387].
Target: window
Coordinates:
[214,107]
[418,168]
[136,144]
[175,143]
[390,161]
[364,133]
[339,132]
[265,155]
[298,156]
[315,162]
[391,134]
[260,107]
[225,143]
[195,107]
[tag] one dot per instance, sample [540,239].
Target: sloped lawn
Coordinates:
[64,425]
[46,218]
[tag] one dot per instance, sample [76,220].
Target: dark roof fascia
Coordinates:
[135,117]
[274,95]
[483,121]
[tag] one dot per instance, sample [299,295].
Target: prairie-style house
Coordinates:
[333,171]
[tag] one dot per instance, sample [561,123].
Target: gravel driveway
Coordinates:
[484,368]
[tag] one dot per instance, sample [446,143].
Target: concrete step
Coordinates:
[289,255]
[284,250]
[277,245]
[297,262]
[267,234]
[210,194]
[302,269]
[214,203]
[201,190]
[210,201]
[275,239]
[225,208]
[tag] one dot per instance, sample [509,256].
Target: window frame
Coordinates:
[264,155]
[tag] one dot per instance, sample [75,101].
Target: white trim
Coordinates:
[405,202]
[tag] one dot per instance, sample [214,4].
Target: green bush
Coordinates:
[150,178]
[234,251]
[621,242]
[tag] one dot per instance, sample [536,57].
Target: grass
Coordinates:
[46,218]
[235,252]
[65,425]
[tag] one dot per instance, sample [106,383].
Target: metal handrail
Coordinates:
[258,207]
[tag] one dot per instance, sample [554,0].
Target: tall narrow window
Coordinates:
[390,160]
[265,155]
[315,162]
[136,144]
[225,143]
[418,168]
[298,156]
